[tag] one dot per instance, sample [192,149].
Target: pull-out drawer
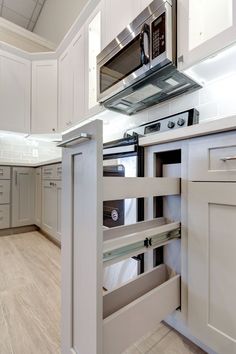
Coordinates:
[4,192]
[4,216]
[52,171]
[137,307]
[5,172]
[213,158]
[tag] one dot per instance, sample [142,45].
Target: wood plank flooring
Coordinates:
[30,302]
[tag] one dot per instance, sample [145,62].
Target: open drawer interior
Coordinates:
[138,306]
[127,241]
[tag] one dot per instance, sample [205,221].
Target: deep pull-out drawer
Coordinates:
[4,216]
[213,158]
[4,192]
[137,307]
[5,172]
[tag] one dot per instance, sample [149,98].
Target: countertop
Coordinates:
[30,164]
[207,127]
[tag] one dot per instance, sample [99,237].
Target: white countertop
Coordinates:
[204,128]
[30,164]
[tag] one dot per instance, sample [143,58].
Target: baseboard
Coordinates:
[50,238]
[18,230]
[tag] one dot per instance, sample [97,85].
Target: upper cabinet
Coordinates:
[71,83]
[15,84]
[117,17]
[204,28]
[44,96]
[93,45]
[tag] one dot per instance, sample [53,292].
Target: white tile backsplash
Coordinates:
[18,149]
[215,100]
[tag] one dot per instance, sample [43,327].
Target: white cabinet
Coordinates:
[51,208]
[22,196]
[93,45]
[71,84]
[38,196]
[15,78]
[212,264]
[44,96]
[65,90]
[204,28]
[118,16]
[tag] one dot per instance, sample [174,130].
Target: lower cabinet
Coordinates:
[38,197]
[22,196]
[212,264]
[51,208]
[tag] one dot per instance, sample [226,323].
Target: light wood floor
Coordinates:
[30,302]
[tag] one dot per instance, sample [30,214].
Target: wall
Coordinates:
[215,100]
[18,149]
[56,18]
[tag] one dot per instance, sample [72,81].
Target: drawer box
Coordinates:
[138,307]
[213,158]
[4,216]
[52,171]
[4,192]
[5,172]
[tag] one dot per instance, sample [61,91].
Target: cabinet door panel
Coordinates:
[204,28]
[15,93]
[22,196]
[66,90]
[78,78]
[44,96]
[49,212]
[58,208]
[212,264]
[38,196]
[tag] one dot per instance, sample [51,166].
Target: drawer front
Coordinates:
[5,172]
[58,171]
[52,171]
[213,158]
[4,216]
[4,192]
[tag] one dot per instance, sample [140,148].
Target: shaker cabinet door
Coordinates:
[204,28]
[212,264]
[22,196]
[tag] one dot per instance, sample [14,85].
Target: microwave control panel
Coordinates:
[158,36]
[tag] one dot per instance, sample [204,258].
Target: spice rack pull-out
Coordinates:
[93,322]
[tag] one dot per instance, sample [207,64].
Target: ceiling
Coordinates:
[24,13]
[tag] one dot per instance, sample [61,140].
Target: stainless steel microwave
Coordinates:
[138,68]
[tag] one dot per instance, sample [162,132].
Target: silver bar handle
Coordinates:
[75,140]
[16,178]
[229,158]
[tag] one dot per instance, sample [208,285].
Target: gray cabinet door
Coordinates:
[22,196]
[38,196]
[51,208]
[212,264]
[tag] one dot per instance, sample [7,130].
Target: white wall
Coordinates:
[56,18]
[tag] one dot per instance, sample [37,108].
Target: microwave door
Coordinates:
[124,67]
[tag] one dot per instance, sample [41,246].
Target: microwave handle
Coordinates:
[145,58]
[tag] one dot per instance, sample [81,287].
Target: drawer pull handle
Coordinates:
[229,158]
[75,140]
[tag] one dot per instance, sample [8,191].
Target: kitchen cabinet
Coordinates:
[65,90]
[212,264]
[71,83]
[44,96]
[15,88]
[22,196]
[204,28]
[5,197]
[51,208]
[118,16]
[93,45]
[38,196]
